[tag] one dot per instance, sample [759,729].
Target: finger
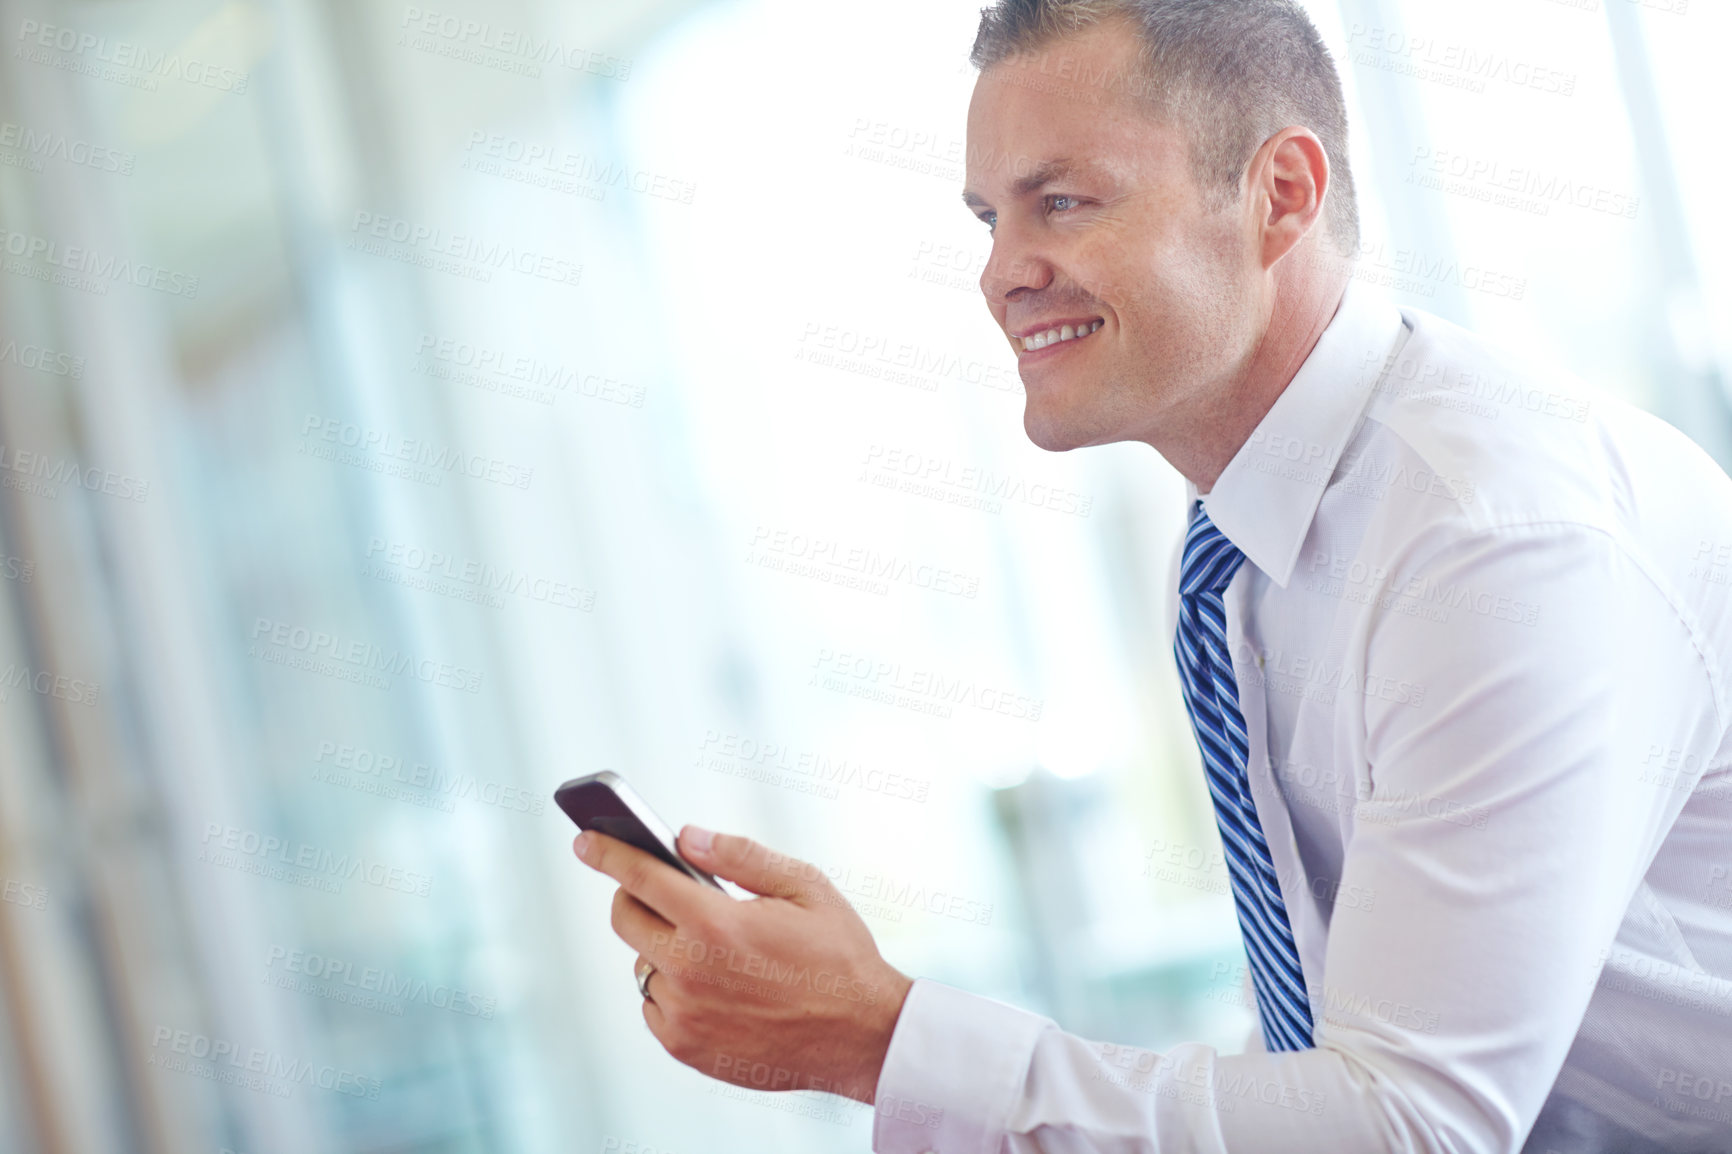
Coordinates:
[658,885]
[654,1016]
[746,863]
[640,927]
[654,973]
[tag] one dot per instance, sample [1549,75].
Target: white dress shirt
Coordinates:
[1480,646]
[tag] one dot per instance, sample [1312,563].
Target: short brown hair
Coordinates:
[1231,72]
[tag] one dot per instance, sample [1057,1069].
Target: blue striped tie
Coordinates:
[1212,696]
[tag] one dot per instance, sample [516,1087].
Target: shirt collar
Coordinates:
[1266,498]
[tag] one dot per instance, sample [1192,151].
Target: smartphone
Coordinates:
[605,803]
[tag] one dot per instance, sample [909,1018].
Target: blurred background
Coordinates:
[406,408]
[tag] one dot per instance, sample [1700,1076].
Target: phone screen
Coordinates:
[604,803]
[631,831]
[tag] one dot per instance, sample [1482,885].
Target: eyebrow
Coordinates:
[1044,174]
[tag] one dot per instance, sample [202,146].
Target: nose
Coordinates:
[1016,266]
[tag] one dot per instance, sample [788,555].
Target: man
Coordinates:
[1454,644]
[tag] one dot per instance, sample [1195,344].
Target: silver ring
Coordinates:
[644,970]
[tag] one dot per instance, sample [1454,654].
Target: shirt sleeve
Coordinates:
[956,1065]
[1448,1001]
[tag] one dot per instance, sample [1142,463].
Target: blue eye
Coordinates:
[990,219]
[1060,203]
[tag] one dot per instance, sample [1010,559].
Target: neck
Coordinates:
[1201,443]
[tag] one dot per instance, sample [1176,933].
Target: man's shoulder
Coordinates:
[1510,439]
[1465,441]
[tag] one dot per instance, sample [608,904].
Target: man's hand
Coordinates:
[783,992]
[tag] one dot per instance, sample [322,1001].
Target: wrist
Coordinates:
[879,1025]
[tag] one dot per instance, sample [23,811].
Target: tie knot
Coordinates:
[1210,559]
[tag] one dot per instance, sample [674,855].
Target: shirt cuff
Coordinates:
[956,1067]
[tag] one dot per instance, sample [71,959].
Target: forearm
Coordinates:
[1190,1098]
[968,1074]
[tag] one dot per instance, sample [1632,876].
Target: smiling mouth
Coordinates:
[1034,342]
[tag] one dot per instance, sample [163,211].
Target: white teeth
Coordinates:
[1053,336]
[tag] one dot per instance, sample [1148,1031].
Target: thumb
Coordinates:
[752,866]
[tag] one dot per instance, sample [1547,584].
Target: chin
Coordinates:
[1052,432]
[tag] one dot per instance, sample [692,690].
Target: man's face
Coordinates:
[1100,230]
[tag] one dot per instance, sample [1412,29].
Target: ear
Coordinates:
[1287,181]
